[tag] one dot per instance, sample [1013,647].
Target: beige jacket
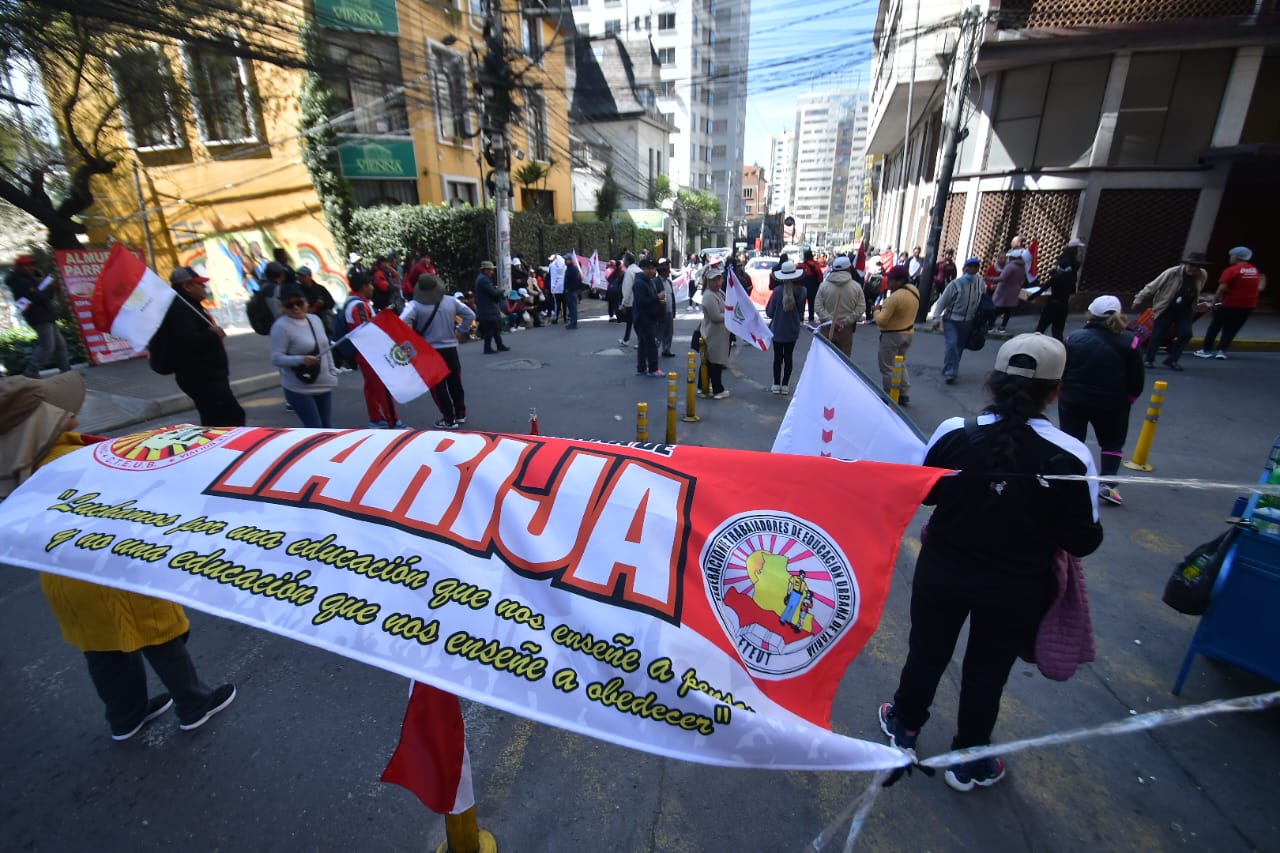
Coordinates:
[1161,291]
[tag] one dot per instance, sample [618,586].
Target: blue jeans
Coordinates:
[571,308]
[955,333]
[314,410]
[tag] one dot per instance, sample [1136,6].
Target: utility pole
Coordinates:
[968,43]
[497,79]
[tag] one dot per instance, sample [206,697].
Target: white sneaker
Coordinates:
[785,390]
[1202,354]
[775,389]
[1222,355]
[723,395]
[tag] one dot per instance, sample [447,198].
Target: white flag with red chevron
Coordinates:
[742,317]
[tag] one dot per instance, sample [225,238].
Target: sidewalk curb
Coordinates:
[172,403]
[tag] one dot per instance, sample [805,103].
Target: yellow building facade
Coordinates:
[214,176]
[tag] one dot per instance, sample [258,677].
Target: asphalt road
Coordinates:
[293,765]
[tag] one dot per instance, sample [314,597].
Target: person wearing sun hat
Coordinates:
[118,632]
[994,537]
[1173,296]
[1103,377]
[34,299]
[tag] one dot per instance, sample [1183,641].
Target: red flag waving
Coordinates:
[887,260]
[129,300]
[1033,272]
[405,363]
[431,758]
[861,263]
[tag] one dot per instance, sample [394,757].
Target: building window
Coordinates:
[532,33]
[666,21]
[612,28]
[459,192]
[748,193]
[695,24]
[1026,134]
[667,89]
[719,150]
[372,108]
[720,126]
[666,56]
[671,148]
[536,123]
[695,59]
[220,84]
[148,98]
[669,118]
[448,94]
[380,193]
[1169,107]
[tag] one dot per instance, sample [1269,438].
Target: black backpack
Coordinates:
[258,311]
[338,330]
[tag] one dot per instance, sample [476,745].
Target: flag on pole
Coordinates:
[596,278]
[680,287]
[431,758]
[742,317]
[860,264]
[836,411]
[1033,268]
[129,300]
[887,260]
[405,363]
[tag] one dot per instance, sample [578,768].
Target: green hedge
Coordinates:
[17,343]
[459,238]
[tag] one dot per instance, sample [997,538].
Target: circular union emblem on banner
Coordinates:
[783,590]
[158,448]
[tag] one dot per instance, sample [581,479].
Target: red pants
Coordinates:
[377,399]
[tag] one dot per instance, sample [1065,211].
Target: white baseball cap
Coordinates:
[1047,355]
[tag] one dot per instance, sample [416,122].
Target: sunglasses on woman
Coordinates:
[293,303]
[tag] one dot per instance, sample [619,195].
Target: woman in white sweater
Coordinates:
[299,347]
[433,314]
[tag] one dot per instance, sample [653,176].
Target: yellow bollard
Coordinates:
[690,404]
[463,835]
[704,378]
[1148,434]
[898,362]
[672,402]
[642,421]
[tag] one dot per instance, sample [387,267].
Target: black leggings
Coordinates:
[1003,315]
[715,372]
[1110,428]
[782,354]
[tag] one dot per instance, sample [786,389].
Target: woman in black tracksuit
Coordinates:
[1104,376]
[987,554]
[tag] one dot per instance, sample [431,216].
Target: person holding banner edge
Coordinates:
[987,553]
[116,630]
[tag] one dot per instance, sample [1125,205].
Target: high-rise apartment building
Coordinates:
[782,158]
[830,135]
[701,47]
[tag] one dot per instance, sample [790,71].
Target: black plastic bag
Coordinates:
[1189,587]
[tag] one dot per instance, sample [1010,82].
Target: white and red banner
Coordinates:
[742,317]
[680,287]
[596,278]
[405,363]
[129,299]
[836,411]
[637,594]
[80,269]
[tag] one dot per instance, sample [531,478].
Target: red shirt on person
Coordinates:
[1241,281]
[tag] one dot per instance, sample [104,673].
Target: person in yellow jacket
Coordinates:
[116,630]
[896,318]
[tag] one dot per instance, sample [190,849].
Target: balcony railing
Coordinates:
[1035,14]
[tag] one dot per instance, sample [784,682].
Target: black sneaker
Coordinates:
[445,423]
[156,706]
[219,699]
[892,728]
[982,773]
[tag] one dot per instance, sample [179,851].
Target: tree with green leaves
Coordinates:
[608,196]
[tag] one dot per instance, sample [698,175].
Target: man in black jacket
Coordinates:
[35,300]
[194,343]
[489,302]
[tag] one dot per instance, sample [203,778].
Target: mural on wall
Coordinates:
[235,264]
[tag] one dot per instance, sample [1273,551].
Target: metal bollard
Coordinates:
[463,835]
[672,402]
[898,362]
[642,421]
[691,396]
[1148,434]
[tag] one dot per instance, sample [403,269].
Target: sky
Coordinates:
[800,46]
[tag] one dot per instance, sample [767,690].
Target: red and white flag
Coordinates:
[129,299]
[431,758]
[742,317]
[1033,268]
[680,287]
[837,412]
[860,264]
[405,363]
[887,260]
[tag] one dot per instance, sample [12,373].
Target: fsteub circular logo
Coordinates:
[158,448]
[782,588]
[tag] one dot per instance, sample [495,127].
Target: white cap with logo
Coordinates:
[1047,357]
